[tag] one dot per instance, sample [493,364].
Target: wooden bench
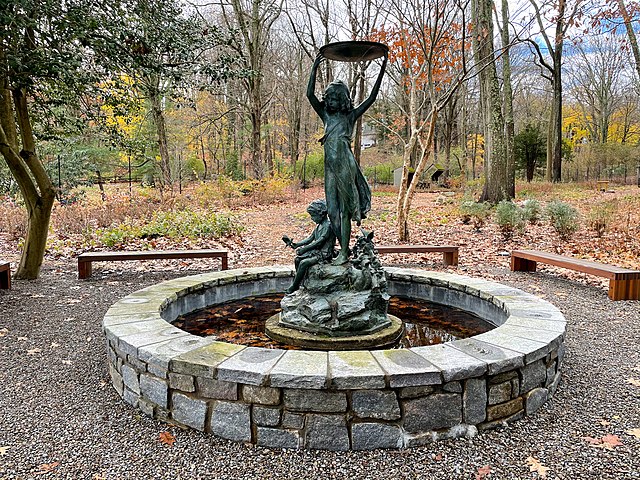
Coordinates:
[5,275]
[624,284]
[85,260]
[450,252]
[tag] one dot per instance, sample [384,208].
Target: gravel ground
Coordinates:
[57,405]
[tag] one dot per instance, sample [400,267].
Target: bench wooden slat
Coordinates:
[624,284]
[450,252]
[5,275]
[149,255]
[86,259]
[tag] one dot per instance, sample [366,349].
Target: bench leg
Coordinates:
[450,258]
[624,289]
[84,269]
[225,263]
[522,265]
[5,279]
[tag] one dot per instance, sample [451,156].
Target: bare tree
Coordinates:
[595,77]
[495,160]
[253,19]
[561,14]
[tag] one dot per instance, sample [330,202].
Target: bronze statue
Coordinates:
[317,247]
[347,193]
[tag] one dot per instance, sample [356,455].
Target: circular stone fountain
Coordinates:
[335,400]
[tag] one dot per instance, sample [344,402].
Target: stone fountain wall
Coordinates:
[335,400]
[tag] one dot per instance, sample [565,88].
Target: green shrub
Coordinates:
[563,218]
[175,225]
[531,211]
[509,218]
[601,215]
[475,213]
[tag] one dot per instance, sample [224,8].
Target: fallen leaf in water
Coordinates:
[605,423]
[536,466]
[483,472]
[33,351]
[634,382]
[3,450]
[167,438]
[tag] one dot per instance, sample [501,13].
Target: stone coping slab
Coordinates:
[536,328]
[306,396]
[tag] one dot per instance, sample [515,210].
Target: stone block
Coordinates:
[553,386]
[439,410]
[498,359]
[378,404]
[130,397]
[413,392]
[369,436]
[115,331]
[293,420]
[354,370]
[189,411]
[504,410]
[216,389]
[251,365]
[404,368]
[300,369]
[474,401]
[182,382]
[533,375]
[453,363]
[157,371]
[116,379]
[506,337]
[139,365]
[154,389]
[131,343]
[161,353]
[535,399]
[551,373]
[499,393]
[277,438]
[231,420]
[130,378]
[202,362]
[452,387]
[315,401]
[261,395]
[146,407]
[502,422]
[503,377]
[265,416]
[327,432]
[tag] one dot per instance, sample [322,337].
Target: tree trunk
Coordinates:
[633,40]
[508,103]
[407,192]
[491,104]
[161,132]
[35,185]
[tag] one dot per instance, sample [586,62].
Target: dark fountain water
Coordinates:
[242,322]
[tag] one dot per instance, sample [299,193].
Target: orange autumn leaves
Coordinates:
[415,51]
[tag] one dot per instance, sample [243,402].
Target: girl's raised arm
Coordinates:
[311,87]
[364,106]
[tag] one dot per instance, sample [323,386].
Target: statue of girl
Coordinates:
[346,190]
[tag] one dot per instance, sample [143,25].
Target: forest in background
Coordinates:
[164,93]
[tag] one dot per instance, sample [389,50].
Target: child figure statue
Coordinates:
[317,247]
[347,193]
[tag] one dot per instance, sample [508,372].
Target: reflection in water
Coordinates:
[242,322]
